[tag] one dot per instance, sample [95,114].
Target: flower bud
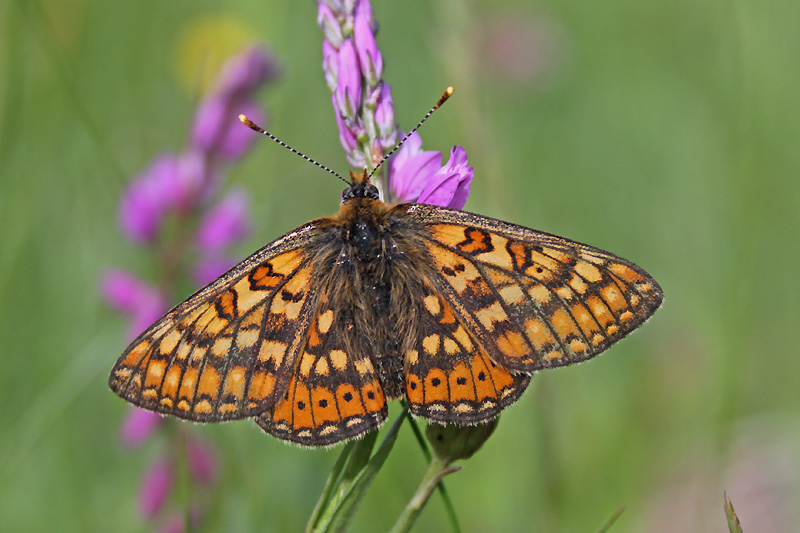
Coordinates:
[453,442]
[348,86]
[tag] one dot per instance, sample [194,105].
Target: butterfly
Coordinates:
[315,332]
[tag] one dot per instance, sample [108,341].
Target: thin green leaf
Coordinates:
[331,485]
[357,456]
[733,521]
[612,519]
[342,510]
[448,507]
[362,450]
[423,444]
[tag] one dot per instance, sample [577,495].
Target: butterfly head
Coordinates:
[360,187]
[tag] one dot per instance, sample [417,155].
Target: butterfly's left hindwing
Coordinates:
[228,351]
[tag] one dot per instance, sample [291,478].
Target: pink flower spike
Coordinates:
[335,5]
[211,120]
[411,168]
[216,128]
[369,57]
[123,291]
[330,64]
[450,186]
[175,524]
[155,488]
[225,223]
[202,461]
[246,72]
[384,118]
[348,86]
[364,11]
[193,181]
[329,25]
[237,139]
[346,136]
[138,426]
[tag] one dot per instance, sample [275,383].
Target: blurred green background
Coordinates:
[667,132]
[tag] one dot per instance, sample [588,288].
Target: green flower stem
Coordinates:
[423,444]
[437,469]
[359,457]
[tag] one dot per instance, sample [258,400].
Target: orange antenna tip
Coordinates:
[249,123]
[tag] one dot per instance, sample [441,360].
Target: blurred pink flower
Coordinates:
[146,200]
[155,488]
[225,223]
[138,426]
[216,128]
[133,297]
[202,461]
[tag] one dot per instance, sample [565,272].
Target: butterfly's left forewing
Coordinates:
[227,352]
[533,300]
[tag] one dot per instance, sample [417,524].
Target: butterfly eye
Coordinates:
[360,190]
[370,191]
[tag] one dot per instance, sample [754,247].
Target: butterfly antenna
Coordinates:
[255,127]
[447,94]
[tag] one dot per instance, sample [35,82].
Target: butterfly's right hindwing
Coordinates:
[449,377]
[228,351]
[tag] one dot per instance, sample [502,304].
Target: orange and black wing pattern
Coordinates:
[312,334]
[530,299]
[228,351]
[449,375]
[335,392]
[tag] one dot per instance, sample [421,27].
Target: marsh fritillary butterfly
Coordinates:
[316,331]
